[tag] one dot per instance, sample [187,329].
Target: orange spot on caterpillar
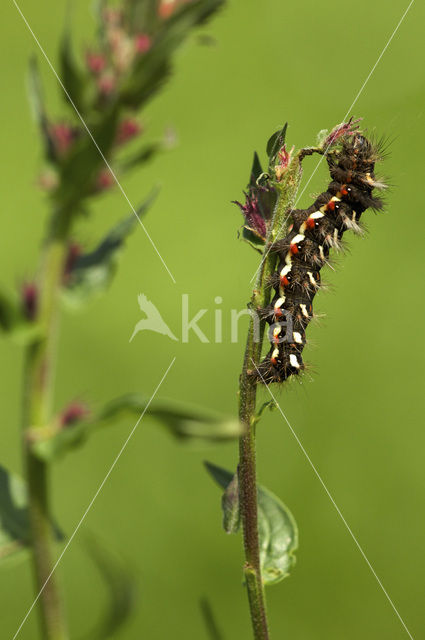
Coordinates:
[310,222]
[294,249]
[331,205]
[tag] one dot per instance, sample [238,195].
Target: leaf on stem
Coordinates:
[92,273]
[184,422]
[36,98]
[14,519]
[121,590]
[277,529]
[72,78]
[275,143]
[13,321]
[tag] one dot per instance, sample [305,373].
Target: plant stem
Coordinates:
[38,389]
[287,189]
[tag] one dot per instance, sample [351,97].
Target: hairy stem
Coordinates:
[247,405]
[38,388]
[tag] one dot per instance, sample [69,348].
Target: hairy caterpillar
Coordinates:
[306,247]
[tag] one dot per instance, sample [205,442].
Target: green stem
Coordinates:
[287,189]
[39,379]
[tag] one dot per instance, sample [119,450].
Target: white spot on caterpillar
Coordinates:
[313,216]
[304,310]
[276,331]
[285,270]
[298,238]
[311,278]
[294,361]
[279,303]
[297,337]
[275,354]
[321,253]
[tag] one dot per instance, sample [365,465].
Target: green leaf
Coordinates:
[183,421]
[278,533]
[14,518]
[13,321]
[275,143]
[72,78]
[36,98]
[93,272]
[143,155]
[277,529]
[256,170]
[121,588]
[230,506]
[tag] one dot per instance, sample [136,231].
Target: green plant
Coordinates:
[85,154]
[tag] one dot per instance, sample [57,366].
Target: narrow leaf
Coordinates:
[210,622]
[277,529]
[72,78]
[93,272]
[13,321]
[184,422]
[230,506]
[14,518]
[36,98]
[121,588]
[256,170]
[276,142]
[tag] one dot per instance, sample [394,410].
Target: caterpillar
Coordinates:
[313,232]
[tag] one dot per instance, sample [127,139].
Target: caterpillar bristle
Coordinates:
[313,233]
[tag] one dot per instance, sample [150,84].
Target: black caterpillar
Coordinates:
[305,250]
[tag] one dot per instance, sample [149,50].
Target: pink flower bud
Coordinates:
[142,43]
[73,413]
[62,135]
[96,62]
[104,180]
[344,129]
[284,158]
[127,130]
[29,298]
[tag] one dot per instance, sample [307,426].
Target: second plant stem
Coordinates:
[39,378]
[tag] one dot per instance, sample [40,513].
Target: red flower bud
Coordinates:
[104,180]
[29,298]
[96,62]
[142,43]
[128,129]
[62,135]
[73,413]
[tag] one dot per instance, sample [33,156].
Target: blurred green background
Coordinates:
[358,414]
